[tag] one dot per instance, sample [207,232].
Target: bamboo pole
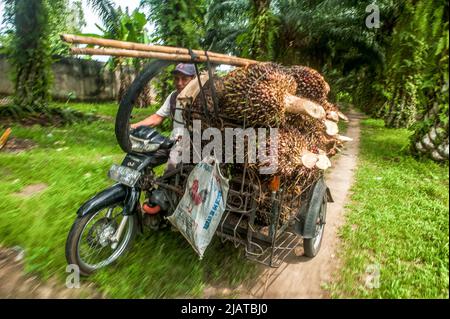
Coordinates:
[154,55]
[153,48]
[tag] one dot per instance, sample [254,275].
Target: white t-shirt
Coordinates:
[178,123]
[175,155]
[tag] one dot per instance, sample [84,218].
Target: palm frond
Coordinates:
[107,13]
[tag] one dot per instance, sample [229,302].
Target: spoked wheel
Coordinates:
[91,243]
[312,245]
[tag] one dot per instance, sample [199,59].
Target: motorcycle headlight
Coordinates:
[124,175]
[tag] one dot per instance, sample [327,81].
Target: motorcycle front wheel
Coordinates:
[90,244]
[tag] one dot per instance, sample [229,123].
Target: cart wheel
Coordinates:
[312,245]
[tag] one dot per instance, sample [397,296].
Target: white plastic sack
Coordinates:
[200,210]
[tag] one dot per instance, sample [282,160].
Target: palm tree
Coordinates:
[30,52]
[431,137]
[107,13]
[226,25]
[127,27]
[406,62]
[326,31]
[177,23]
[241,27]
[261,30]
[29,55]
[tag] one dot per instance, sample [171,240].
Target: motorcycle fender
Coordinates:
[131,201]
[114,194]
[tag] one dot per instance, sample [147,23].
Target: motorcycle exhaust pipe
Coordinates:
[151,210]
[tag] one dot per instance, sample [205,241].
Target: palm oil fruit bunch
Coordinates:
[203,108]
[291,147]
[257,94]
[263,94]
[310,83]
[297,153]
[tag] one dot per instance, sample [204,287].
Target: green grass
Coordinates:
[397,220]
[73,161]
[343,127]
[107,109]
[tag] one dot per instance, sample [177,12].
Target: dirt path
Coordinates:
[301,277]
[15,284]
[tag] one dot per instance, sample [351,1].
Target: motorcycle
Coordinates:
[107,223]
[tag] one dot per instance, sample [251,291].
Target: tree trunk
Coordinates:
[433,141]
[401,111]
[31,56]
[125,81]
[260,33]
[126,78]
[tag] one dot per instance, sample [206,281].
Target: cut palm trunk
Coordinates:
[298,105]
[342,116]
[333,116]
[192,90]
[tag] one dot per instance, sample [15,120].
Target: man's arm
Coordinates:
[157,118]
[152,121]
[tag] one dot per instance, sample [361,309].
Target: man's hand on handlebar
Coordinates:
[152,121]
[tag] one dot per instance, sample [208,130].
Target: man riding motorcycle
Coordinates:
[183,75]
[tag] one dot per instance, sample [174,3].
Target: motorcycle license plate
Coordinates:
[124,175]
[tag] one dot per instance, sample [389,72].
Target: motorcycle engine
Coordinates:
[161,198]
[158,199]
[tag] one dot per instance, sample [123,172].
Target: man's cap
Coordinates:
[186,69]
